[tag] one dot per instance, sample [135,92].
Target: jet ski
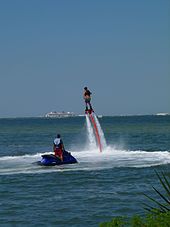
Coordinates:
[52,160]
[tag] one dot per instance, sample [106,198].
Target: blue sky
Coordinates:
[51,49]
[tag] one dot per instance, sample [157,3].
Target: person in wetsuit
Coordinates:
[58,147]
[87,98]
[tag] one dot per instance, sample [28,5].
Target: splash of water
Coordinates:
[88,160]
[90,135]
[101,133]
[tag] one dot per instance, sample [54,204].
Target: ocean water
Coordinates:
[100,186]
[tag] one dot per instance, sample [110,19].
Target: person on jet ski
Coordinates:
[58,147]
[87,98]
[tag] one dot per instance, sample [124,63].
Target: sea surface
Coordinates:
[100,186]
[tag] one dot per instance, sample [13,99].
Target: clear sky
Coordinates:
[51,49]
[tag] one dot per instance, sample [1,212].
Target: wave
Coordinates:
[87,160]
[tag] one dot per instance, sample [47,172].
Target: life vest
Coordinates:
[58,148]
[57,142]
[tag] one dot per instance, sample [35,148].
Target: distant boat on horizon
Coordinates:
[62,114]
[162,114]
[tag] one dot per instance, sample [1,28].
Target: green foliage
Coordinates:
[152,220]
[165,205]
[136,221]
[158,220]
[117,222]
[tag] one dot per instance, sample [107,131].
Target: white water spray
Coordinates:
[88,160]
[101,134]
[90,134]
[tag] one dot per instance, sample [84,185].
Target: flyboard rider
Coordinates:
[58,147]
[87,98]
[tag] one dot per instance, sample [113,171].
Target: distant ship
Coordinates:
[59,114]
[162,114]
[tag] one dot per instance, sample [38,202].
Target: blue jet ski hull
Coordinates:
[52,160]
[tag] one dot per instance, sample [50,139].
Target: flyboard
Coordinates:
[90,113]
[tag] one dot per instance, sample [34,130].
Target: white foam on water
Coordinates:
[124,158]
[87,160]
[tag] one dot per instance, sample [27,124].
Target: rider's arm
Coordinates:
[54,146]
[62,145]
